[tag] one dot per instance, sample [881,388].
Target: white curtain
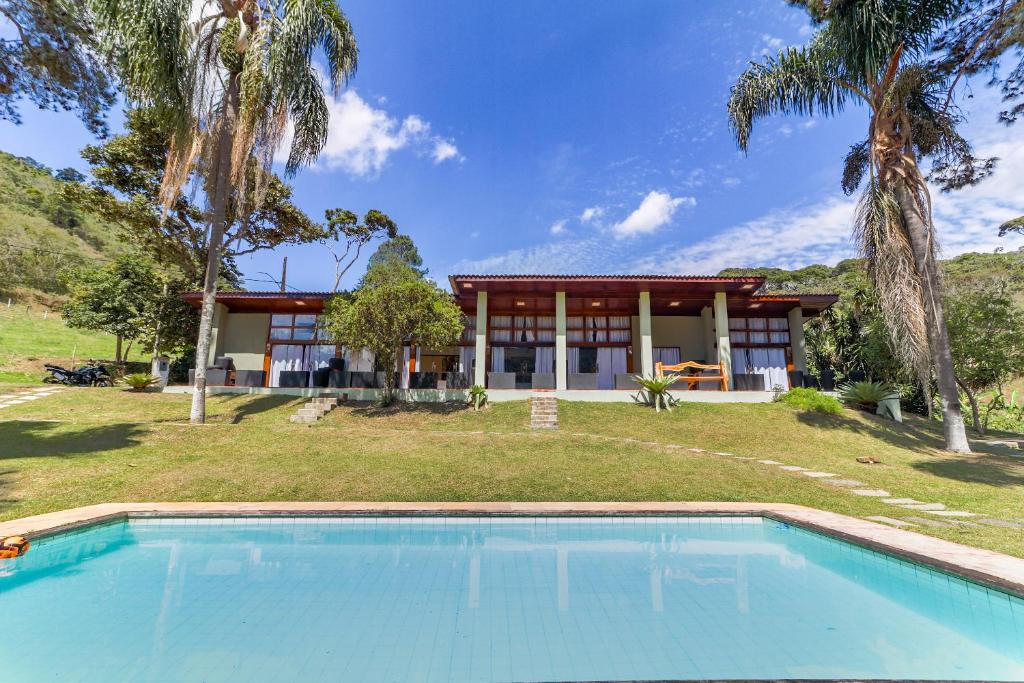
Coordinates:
[574,359]
[497,359]
[284,357]
[358,360]
[610,362]
[419,353]
[769,363]
[466,356]
[545,359]
[776,369]
[317,358]
[669,355]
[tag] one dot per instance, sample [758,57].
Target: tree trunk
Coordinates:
[920,232]
[117,350]
[975,411]
[387,394]
[218,204]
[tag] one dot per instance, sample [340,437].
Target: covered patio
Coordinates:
[594,332]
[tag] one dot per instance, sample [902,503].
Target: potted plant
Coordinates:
[140,381]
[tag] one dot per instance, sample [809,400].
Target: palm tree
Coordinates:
[231,78]
[872,52]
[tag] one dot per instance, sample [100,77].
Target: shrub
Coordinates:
[477,396]
[866,395]
[811,400]
[140,381]
[654,391]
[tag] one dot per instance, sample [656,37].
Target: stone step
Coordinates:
[310,412]
[302,419]
[314,406]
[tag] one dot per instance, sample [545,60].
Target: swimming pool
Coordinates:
[489,599]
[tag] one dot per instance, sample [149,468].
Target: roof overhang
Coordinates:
[266,302]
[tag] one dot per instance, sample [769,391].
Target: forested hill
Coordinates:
[848,276]
[40,233]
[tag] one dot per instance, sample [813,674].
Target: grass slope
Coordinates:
[39,233]
[27,340]
[93,445]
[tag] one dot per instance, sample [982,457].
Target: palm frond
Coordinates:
[883,241]
[799,81]
[855,166]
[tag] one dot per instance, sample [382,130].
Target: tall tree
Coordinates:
[399,249]
[985,332]
[872,52]
[393,305]
[230,78]
[346,226]
[128,172]
[48,57]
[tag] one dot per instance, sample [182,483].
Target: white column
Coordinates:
[220,320]
[707,321]
[722,335]
[561,348]
[796,339]
[646,345]
[480,376]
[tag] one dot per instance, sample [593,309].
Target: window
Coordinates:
[599,329]
[297,327]
[522,329]
[759,331]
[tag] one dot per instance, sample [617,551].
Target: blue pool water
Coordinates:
[485,599]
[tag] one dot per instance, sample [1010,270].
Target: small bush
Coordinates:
[140,381]
[866,395]
[811,400]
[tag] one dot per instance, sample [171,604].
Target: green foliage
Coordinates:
[810,400]
[654,391]
[986,330]
[344,225]
[126,299]
[866,395]
[393,306]
[50,60]
[139,381]
[477,396]
[401,249]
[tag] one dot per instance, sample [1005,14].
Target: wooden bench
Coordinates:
[692,379]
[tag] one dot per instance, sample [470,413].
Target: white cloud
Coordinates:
[655,211]
[591,213]
[558,227]
[444,150]
[731,181]
[362,138]
[564,256]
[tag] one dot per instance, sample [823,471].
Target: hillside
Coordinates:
[847,276]
[40,233]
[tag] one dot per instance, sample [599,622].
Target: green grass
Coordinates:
[86,446]
[27,341]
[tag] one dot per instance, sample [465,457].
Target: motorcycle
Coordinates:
[91,375]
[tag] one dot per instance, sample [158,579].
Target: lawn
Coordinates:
[87,446]
[27,340]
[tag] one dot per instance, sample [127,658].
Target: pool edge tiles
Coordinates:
[989,568]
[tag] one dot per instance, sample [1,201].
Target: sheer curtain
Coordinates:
[284,358]
[545,359]
[404,377]
[317,358]
[497,359]
[574,359]
[466,356]
[610,361]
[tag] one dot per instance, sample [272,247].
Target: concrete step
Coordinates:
[302,419]
[310,412]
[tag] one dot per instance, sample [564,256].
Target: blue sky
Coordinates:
[585,136]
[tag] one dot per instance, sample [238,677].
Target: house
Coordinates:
[561,332]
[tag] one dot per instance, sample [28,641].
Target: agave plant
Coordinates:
[139,381]
[477,396]
[866,395]
[655,391]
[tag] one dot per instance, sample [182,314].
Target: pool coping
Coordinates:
[987,567]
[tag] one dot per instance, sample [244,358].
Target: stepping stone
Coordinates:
[769,462]
[818,475]
[740,457]
[1002,523]
[929,522]
[696,450]
[951,513]
[845,483]
[926,507]
[728,455]
[901,501]
[890,521]
[871,493]
[793,468]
